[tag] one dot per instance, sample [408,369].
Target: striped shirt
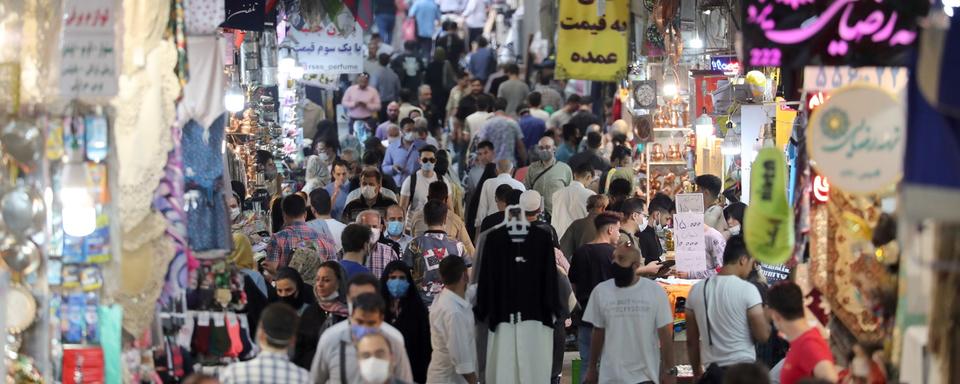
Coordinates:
[267,368]
[297,235]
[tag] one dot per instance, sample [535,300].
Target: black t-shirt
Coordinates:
[353,209]
[590,266]
[491,221]
[649,245]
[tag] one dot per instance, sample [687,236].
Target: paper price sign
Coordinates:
[689,239]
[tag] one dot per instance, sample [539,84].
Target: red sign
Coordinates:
[821,189]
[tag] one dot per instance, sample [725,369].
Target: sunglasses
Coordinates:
[428,160]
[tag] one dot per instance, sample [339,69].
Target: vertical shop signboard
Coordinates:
[793,33]
[88,51]
[689,235]
[329,50]
[593,36]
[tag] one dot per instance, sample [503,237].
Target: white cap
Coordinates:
[530,201]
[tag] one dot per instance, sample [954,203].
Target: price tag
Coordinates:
[203,319]
[218,320]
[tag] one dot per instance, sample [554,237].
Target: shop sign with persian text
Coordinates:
[329,50]
[795,33]
[593,36]
[856,139]
[88,50]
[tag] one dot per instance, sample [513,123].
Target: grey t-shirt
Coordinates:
[728,299]
[515,91]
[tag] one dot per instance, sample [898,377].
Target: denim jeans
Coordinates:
[385,23]
[583,340]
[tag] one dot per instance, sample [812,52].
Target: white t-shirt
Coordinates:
[420,195]
[728,299]
[630,316]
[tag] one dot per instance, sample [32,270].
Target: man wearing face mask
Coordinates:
[395,227]
[809,354]
[635,313]
[725,317]
[547,175]
[413,191]
[383,250]
[590,266]
[400,160]
[452,328]
[277,331]
[634,222]
[336,360]
[371,196]
[376,360]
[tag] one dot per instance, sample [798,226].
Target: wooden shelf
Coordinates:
[678,162]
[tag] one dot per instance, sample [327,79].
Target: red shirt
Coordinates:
[804,354]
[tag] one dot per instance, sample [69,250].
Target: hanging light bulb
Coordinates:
[288,60]
[670,89]
[731,143]
[704,125]
[79,211]
[696,43]
[234,100]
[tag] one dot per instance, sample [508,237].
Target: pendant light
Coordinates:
[79,211]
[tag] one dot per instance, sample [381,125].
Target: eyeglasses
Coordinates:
[428,160]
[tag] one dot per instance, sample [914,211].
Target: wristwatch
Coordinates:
[673,371]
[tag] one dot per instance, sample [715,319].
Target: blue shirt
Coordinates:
[427,13]
[353,268]
[338,205]
[408,158]
[533,129]
[565,152]
[480,65]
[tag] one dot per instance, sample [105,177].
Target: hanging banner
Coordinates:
[88,52]
[246,15]
[327,50]
[794,33]
[594,40]
[856,139]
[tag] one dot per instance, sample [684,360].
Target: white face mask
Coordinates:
[234,214]
[375,237]
[643,223]
[369,192]
[408,137]
[374,370]
[735,230]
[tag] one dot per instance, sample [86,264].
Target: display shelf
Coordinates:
[683,129]
[678,162]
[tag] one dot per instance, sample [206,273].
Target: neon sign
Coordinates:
[793,33]
[725,64]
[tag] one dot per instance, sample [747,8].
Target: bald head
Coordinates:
[504,166]
[546,141]
[370,218]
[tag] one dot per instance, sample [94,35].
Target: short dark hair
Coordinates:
[502,191]
[437,190]
[294,206]
[511,69]
[594,139]
[369,302]
[434,212]
[406,120]
[482,42]
[620,187]
[631,206]
[320,201]
[786,298]
[534,99]
[485,144]
[355,237]
[619,153]
[428,148]
[484,101]
[570,131]
[545,80]
[606,218]
[279,322]
[371,172]
[410,45]
[746,373]
[451,269]
[734,211]
[660,202]
[362,279]
[574,98]
[709,183]
[513,197]
[583,168]
[500,104]
[734,250]
[384,59]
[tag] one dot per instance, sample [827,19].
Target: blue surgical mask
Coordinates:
[359,331]
[394,228]
[427,166]
[398,287]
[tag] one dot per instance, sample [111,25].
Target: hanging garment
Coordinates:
[203,94]
[525,344]
[207,222]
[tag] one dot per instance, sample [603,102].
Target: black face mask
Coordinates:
[291,301]
[622,276]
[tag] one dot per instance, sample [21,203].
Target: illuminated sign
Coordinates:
[794,33]
[821,189]
[725,64]
[815,99]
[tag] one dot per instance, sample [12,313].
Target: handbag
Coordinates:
[409,29]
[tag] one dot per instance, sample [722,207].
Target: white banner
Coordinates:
[689,239]
[88,54]
[825,78]
[690,203]
[327,52]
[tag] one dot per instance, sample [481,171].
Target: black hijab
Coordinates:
[413,320]
[474,204]
[304,295]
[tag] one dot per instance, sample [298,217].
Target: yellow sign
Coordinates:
[785,118]
[593,36]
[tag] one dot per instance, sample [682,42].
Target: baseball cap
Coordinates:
[530,201]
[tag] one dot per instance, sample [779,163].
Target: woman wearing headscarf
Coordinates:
[291,289]
[327,309]
[407,313]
